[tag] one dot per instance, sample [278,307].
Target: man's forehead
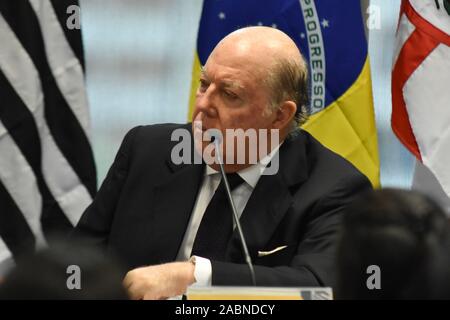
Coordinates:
[232,76]
[228,78]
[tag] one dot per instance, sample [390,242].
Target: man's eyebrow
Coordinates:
[232,84]
[225,83]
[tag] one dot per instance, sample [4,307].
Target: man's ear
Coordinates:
[284,115]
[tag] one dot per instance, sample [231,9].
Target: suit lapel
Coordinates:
[175,199]
[270,199]
[260,217]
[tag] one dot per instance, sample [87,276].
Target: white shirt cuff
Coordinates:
[202,272]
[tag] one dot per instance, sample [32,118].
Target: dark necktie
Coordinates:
[216,226]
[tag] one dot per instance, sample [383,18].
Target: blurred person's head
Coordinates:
[64,272]
[404,234]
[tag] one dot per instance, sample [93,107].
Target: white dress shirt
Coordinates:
[240,194]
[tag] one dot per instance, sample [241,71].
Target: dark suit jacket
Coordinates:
[143,207]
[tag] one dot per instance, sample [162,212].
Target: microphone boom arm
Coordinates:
[248,259]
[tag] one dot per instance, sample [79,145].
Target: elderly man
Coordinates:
[156,213]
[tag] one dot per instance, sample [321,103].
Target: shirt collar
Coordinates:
[250,174]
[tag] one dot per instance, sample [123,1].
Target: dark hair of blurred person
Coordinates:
[46,275]
[402,232]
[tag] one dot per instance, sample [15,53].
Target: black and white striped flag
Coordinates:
[47,170]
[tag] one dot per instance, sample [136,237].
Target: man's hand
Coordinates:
[160,281]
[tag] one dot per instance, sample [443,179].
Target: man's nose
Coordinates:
[206,102]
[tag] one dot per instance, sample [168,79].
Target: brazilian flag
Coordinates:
[331,36]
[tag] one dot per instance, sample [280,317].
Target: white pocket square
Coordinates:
[266,253]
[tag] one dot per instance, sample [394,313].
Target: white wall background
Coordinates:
[397,164]
[139,56]
[138,66]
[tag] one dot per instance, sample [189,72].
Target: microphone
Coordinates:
[216,139]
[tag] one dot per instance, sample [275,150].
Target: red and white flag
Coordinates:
[421,84]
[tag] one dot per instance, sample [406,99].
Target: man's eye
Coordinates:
[230,95]
[203,85]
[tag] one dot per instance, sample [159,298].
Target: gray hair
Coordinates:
[288,80]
